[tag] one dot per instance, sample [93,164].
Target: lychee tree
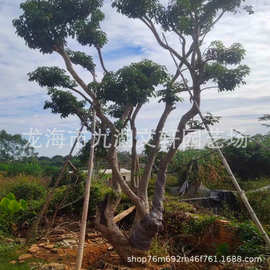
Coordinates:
[119,96]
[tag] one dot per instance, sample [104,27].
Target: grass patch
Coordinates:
[9,183]
[254,183]
[159,250]
[198,224]
[260,201]
[9,252]
[17,168]
[171,205]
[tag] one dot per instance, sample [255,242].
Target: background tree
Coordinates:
[120,95]
[14,147]
[251,161]
[265,119]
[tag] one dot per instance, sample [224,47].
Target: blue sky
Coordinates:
[21,102]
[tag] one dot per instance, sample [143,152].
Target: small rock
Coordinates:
[33,249]
[35,265]
[13,262]
[70,242]
[25,257]
[92,235]
[67,243]
[49,246]
[110,248]
[68,236]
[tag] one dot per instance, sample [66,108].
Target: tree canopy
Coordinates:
[265,119]
[47,24]
[14,147]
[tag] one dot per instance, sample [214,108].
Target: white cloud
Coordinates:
[16,60]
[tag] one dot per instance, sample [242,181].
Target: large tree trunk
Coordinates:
[144,231]
[109,229]
[146,225]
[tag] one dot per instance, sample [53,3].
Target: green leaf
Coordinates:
[14,207]
[64,103]
[4,204]
[23,204]
[45,25]
[11,196]
[52,77]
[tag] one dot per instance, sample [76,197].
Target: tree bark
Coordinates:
[134,156]
[106,224]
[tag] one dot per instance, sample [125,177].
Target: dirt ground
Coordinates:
[57,251]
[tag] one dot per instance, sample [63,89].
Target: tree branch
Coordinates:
[115,168]
[215,21]
[74,74]
[157,207]
[151,26]
[126,113]
[77,78]
[157,204]
[156,142]
[134,157]
[210,87]
[82,95]
[101,60]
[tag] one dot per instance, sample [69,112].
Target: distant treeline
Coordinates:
[247,162]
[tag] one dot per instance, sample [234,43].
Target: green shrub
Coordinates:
[96,197]
[172,205]
[65,195]
[223,250]
[253,184]
[67,179]
[3,167]
[251,161]
[9,211]
[26,188]
[7,184]
[51,171]
[33,209]
[198,224]
[252,241]
[260,202]
[28,191]
[25,168]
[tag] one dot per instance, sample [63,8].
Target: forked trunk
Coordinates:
[144,231]
[137,242]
